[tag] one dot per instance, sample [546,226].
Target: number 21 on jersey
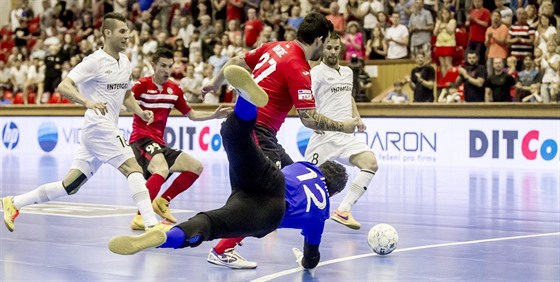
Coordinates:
[313,197]
[270,68]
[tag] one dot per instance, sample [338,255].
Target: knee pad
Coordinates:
[75,185]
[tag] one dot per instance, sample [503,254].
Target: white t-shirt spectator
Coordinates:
[395,50]
[370,20]
[19,75]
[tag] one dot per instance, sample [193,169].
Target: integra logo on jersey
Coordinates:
[336,89]
[116,86]
[304,94]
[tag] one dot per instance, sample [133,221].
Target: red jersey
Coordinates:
[281,69]
[160,100]
[477,33]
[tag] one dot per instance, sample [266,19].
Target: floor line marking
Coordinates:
[298,269]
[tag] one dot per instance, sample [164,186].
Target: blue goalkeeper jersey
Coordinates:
[308,199]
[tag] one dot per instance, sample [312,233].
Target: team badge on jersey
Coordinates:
[169,90]
[304,94]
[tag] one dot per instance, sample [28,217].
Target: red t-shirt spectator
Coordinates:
[477,33]
[252,30]
[233,12]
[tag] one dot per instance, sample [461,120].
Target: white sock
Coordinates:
[44,193]
[357,189]
[140,195]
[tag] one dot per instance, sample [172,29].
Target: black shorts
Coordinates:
[144,149]
[272,149]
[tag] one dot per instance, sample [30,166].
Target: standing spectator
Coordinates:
[234,10]
[295,17]
[217,61]
[404,7]
[474,77]
[422,80]
[445,39]
[526,78]
[35,80]
[549,65]
[478,21]
[5,82]
[195,45]
[499,84]
[545,33]
[532,17]
[506,12]
[352,11]
[186,30]
[47,16]
[353,41]
[336,18]
[397,38]
[420,26]
[191,84]
[368,10]
[18,75]
[212,97]
[496,37]
[253,28]
[376,47]
[18,14]
[521,37]
[220,9]
[22,35]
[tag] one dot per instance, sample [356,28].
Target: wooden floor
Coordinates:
[454,224]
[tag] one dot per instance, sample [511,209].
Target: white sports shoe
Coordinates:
[230,258]
[246,86]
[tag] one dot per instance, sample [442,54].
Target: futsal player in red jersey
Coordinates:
[160,95]
[283,71]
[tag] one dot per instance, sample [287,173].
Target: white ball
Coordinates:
[383,239]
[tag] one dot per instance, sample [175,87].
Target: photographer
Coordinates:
[360,83]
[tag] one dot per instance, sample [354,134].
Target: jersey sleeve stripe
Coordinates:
[159,96]
[156,105]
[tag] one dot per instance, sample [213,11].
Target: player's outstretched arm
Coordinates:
[67,88]
[316,121]
[219,78]
[219,113]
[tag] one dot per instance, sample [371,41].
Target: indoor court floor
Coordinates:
[454,224]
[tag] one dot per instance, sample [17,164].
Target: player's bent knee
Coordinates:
[73,185]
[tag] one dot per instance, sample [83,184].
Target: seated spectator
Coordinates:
[397,39]
[499,84]
[3,99]
[212,97]
[365,81]
[450,95]
[35,80]
[535,96]
[545,33]
[526,78]
[5,82]
[396,96]
[532,17]
[376,47]
[295,19]
[445,39]
[18,75]
[383,20]
[353,41]
[422,80]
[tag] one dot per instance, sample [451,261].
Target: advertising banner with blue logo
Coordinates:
[500,143]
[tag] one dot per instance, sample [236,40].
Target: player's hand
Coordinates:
[361,126]
[147,116]
[349,125]
[207,89]
[97,107]
[299,256]
[222,112]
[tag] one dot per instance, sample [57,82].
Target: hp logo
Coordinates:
[10,135]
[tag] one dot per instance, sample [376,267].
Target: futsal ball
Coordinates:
[383,239]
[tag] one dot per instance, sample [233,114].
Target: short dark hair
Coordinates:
[162,53]
[109,21]
[472,51]
[314,25]
[335,176]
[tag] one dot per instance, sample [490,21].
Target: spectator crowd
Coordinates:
[497,50]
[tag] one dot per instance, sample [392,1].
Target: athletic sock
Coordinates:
[227,243]
[183,182]
[245,110]
[44,193]
[175,238]
[357,189]
[154,184]
[140,195]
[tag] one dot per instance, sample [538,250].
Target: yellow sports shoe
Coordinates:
[345,218]
[128,245]
[161,207]
[10,212]
[246,86]
[162,225]
[137,223]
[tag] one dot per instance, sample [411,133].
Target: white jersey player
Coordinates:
[104,82]
[332,88]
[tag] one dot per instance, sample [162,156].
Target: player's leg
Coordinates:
[367,163]
[224,254]
[84,166]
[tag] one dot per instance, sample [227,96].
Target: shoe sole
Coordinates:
[129,245]
[355,227]
[241,79]
[229,266]
[9,226]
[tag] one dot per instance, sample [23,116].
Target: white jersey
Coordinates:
[101,77]
[333,91]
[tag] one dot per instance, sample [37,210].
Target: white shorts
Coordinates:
[99,146]
[333,146]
